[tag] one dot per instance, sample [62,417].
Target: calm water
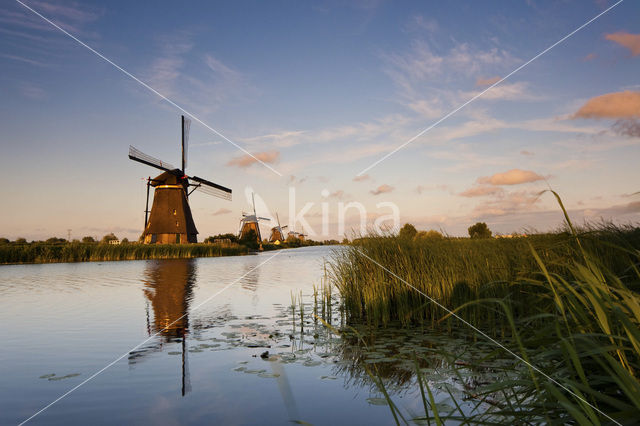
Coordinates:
[64,322]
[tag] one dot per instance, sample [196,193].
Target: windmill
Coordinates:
[277,235]
[170,220]
[296,235]
[250,222]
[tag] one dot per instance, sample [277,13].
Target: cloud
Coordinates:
[423,188]
[339,194]
[527,153]
[246,160]
[630,128]
[630,41]
[518,91]
[361,178]
[221,211]
[382,189]
[589,57]
[507,203]
[216,82]
[511,177]
[481,191]
[611,105]
[32,92]
[487,81]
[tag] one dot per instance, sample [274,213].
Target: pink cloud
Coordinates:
[220,211]
[480,191]
[247,160]
[589,57]
[611,105]
[487,81]
[630,41]
[361,178]
[382,189]
[511,177]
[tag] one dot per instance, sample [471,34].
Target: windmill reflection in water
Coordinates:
[168,287]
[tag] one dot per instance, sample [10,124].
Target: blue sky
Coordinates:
[321,91]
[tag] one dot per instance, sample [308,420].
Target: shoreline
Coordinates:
[43,253]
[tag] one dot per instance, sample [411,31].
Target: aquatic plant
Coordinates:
[564,306]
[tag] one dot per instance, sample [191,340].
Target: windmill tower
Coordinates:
[277,236]
[250,222]
[170,220]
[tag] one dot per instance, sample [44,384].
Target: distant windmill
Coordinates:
[276,232]
[170,220]
[251,222]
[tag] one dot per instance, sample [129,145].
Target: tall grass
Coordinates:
[454,271]
[566,302]
[85,252]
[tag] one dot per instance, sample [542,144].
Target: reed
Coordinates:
[567,303]
[89,252]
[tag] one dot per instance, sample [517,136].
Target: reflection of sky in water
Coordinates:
[63,322]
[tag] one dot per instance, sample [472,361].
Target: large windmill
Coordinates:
[251,222]
[170,220]
[276,232]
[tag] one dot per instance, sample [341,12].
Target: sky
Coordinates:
[474,112]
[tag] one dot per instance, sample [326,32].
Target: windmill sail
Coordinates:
[137,155]
[186,125]
[211,188]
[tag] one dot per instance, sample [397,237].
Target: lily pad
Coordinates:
[377,401]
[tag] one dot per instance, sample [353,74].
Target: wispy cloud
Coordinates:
[382,189]
[361,178]
[625,39]
[511,177]
[32,91]
[247,160]
[487,81]
[481,191]
[221,211]
[205,85]
[630,128]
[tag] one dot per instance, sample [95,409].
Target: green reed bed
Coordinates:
[87,252]
[566,303]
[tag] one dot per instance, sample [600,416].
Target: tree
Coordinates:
[408,231]
[479,230]
[55,240]
[250,239]
[109,237]
[233,238]
[20,240]
[88,240]
[428,235]
[4,241]
[124,241]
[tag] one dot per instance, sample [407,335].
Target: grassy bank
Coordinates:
[454,271]
[86,252]
[564,303]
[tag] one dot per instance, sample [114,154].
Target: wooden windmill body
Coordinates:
[277,234]
[170,220]
[251,222]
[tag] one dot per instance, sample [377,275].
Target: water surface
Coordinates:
[202,361]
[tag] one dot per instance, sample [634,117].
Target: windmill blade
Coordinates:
[283,227]
[186,125]
[211,188]
[139,156]
[264,218]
